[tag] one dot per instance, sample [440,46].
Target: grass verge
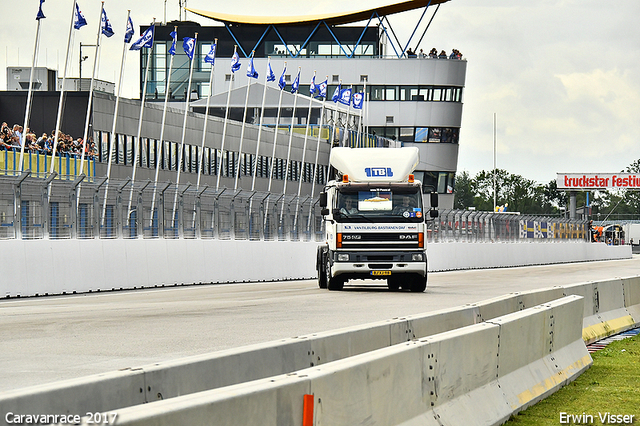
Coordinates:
[611,385]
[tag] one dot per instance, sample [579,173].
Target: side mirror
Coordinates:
[434,199]
[323,199]
[433,213]
[324,212]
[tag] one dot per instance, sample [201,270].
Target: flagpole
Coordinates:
[224,127]
[93,76]
[275,134]
[362,113]
[244,120]
[286,174]
[346,124]
[61,102]
[167,90]
[113,127]
[27,111]
[264,95]
[315,167]
[333,115]
[304,152]
[206,118]
[184,129]
[137,140]
[272,165]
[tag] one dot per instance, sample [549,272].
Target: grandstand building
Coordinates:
[415,101]
[411,101]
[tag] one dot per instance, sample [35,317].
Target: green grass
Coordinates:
[612,384]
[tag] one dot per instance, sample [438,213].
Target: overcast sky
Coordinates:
[562,77]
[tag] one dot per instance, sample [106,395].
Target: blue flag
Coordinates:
[211,56]
[282,83]
[235,62]
[40,14]
[336,94]
[271,76]
[174,37]
[145,40]
[129,31]
[79,20]
[345,96]
[322,89]
[358,99]
[251,71]
[107,29]
[312,87]
[296,83]
[189,46]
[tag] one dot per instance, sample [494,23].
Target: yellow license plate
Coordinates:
[380,272]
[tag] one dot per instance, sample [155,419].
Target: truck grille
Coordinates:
[381,240]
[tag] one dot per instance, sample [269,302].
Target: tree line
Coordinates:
[526,196]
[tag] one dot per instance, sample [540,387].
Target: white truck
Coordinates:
[374,219]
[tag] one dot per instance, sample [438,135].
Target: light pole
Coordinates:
[82,59]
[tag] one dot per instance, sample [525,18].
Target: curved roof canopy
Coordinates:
[329,18]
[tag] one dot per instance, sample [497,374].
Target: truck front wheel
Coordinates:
[418,283]
[322,274]
[333,283]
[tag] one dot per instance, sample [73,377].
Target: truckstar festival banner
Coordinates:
[598,181]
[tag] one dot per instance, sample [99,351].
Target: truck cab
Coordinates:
[374,220]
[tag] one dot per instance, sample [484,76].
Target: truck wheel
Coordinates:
[418,283]
[393,283]
[333,283]
[320,265]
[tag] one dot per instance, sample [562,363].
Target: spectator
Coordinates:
[422,54]
[455,54]
[433,53]
[3,144]
[411,54]
[443,55]
[17,133]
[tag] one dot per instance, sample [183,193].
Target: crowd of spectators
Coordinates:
[12,139]
[433,53]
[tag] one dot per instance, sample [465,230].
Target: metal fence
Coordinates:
[34,208]
[482,226]
[60,209]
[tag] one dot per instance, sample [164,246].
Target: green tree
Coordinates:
[463,196]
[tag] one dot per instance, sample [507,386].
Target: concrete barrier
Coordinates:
[424,381]
[605,310]
[235,366]
[104,264]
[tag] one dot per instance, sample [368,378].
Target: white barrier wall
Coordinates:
[40,267]
[462,255]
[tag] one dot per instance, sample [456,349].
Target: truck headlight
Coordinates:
[343,257]
[416,257]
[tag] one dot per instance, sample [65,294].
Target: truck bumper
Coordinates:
[361,266]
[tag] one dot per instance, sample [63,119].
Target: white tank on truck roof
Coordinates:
[375,164]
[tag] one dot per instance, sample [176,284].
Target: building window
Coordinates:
[389,119]
[440,182]
[406,134]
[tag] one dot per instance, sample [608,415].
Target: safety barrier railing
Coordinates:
[33,208]
[84,208]
[478,226]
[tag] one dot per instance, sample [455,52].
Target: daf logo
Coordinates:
[409,237]
[378,172]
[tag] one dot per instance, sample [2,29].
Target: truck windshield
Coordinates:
[379,205]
